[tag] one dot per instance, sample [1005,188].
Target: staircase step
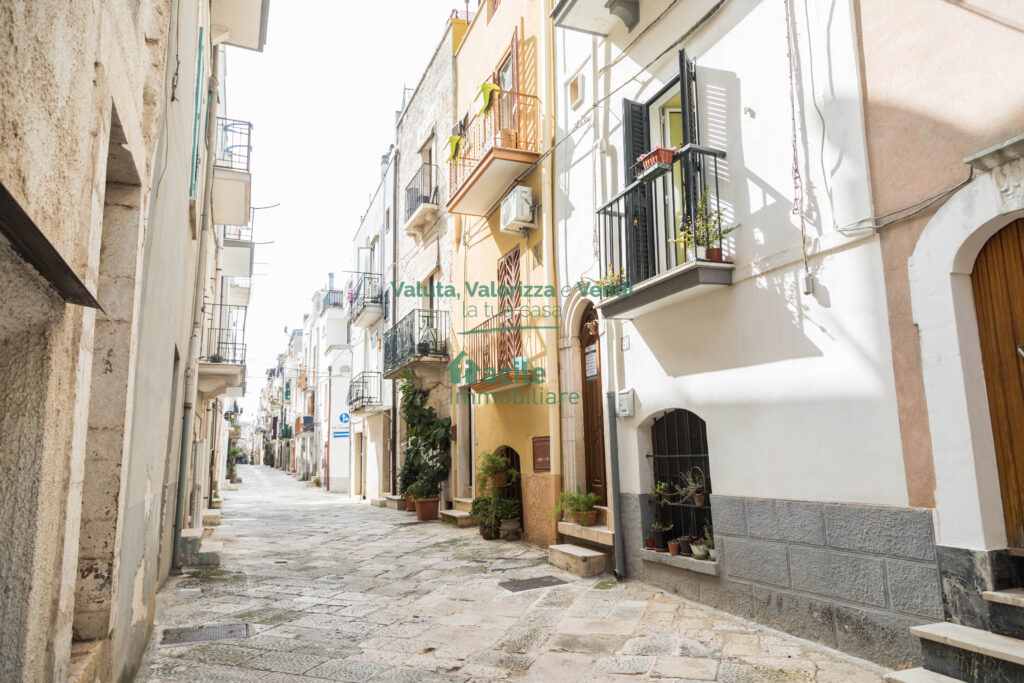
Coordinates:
[459,518]
[464,504]
[211,517]
[377,502]
[1012,596]
[217,503]
[974,640]
[598,534]
[209,554]
[189,548]
[576,559]
[394,502]
[918,675]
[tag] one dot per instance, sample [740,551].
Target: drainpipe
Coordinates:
[394,319]
[190,392]
[613,437]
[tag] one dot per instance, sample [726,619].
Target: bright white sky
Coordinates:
[322,98]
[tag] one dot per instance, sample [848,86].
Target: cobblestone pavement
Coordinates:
[340,590]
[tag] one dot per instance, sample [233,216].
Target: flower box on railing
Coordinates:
[658,155]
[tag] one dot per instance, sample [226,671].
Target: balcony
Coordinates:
[497,357]
[325,299]
[242,23]
[642,236]
[497,147]
[367,299]
[419,337]
[364,391]
[232,180]
[222,351]
[238,289]
[421,200]
[306,424]
[597,17]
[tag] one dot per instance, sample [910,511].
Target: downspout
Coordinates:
[191,368]
[613,438]
[394,319]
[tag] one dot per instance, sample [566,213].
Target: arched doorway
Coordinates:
[593,410]
[998,283]
[514,489]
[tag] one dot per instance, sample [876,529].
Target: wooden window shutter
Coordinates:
[636,136]
[688,93]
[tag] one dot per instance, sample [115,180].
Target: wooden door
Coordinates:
[593,408]
[510,336]
[998,280]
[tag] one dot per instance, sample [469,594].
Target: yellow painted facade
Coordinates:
[511,417]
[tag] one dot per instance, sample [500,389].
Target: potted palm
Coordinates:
[508,510]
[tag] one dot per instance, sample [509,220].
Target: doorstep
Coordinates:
[600,535]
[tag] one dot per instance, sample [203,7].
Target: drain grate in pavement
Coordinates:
[198,634]
[531,584]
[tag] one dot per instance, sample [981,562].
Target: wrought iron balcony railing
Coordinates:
[224,334]
[423,332]
[661,220]
[326,298]
[422,189]
[233,144]
[364,390]
[366,290]
[511,123]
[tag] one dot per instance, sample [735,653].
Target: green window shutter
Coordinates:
[197,108]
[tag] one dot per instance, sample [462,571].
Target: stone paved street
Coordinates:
[340,590]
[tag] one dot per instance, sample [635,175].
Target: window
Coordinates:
[576,91]
[680,456]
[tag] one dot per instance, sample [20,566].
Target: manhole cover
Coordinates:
[531,584]
[197,634]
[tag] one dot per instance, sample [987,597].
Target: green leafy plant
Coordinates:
[231,470]
[486,95]
[316,481]
[508,508]
[704,228]
[455,144]
[661,526]
[708,539]
[425,487]
[216,358]
[492,464]
[660,491]
[427,445]
[484,511]
[573,501]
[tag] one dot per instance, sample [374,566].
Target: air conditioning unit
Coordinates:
[517,211]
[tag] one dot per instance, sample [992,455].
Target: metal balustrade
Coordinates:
[423,332]
[364,390]
[233,144]
[421,189]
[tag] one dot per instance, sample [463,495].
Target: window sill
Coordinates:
[681,562]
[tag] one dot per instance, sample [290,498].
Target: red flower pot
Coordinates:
[410,503]
[714,253]
[657,155]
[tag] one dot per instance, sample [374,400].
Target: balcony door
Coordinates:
[510,335]
[507,78]
[593,409]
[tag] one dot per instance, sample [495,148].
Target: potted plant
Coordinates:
[709,541]
[585,514]
[497,469]
[508,510]
[700,551]
[484,511]
[216,358]
[699,496]
[316,482]
[703,230]
[684,545]
[428,340]
[673,546]
[658,155]
[649,541]
[659,530]
[659,491]
[426,492]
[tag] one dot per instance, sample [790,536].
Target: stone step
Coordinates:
[211,517]
[970,654]
[209,554]
[86,659]
[464,504]
[917,675]
[394,502]
[576,559]
[598,534]
[602,515]
[1011,596]
[217,502]
[377,502]
[459,518]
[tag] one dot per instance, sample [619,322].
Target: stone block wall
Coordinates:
[853,577]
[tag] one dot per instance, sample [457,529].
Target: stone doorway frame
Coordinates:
[968,503]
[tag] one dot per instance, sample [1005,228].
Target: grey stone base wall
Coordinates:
[966,573]
[852,577]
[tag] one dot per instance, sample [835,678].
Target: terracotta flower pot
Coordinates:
[650,542]
[714,253]
[699,499]
[500,479]
[588,518]
[673,547]
[427,508]
[410,503]
[657,155]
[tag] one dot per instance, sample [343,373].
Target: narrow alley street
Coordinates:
[339,590]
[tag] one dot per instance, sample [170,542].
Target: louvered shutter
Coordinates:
[691,162]
[636,139]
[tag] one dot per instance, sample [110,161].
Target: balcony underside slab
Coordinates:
[421,218]
[216,378]
[367,315]
[417,364]
[671,287]
[486,185]
[232,191]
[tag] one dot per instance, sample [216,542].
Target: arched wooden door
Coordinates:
[593,408]
[998,280]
